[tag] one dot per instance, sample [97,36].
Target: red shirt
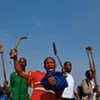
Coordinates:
[39,92]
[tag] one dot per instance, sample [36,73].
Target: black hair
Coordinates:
[87,73]
[24,60]
[48,58]
[68,69]
[67,62]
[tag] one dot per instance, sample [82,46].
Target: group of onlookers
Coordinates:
[88,90]
[49,85]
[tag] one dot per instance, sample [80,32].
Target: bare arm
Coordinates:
[22,73]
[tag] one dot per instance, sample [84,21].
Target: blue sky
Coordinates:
[72,24]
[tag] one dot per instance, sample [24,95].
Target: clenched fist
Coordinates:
[13,53]
[52,81]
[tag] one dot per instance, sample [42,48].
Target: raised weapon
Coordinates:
[17,43]
[56,54]
[3,64]
[91,62]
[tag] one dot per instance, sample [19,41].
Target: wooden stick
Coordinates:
[3,64]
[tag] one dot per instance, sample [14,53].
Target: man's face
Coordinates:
[91,75]
[50,64]
[68,67]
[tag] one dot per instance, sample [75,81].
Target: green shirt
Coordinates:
[18,87]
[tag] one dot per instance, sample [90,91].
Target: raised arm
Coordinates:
[18,69]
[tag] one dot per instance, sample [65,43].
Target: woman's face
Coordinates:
[22,63]
[50,64]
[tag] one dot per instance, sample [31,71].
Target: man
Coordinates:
[18,86]
[34,78]
[4,93]
[68,92]
[88,87]
[79,92]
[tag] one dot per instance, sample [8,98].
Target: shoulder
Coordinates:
[84,81]
[69,76]
[13,72]
[36,73]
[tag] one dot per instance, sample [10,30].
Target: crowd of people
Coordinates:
[48,85]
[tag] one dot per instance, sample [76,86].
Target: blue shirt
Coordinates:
[61,81]
[3,96]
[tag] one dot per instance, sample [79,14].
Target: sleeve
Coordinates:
[85,88]
[31,78]
[60,80]
[61,83]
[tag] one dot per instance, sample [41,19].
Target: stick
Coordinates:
[3,65]
[17,43]
[91,62]
[55,53]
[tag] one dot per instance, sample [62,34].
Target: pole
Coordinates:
[91,62]
[3,64]
[17,43]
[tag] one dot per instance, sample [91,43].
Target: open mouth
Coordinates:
[50,69]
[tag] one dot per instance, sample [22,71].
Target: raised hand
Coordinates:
[13,53]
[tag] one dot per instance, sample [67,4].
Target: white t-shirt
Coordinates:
[68,92]
[93,86]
